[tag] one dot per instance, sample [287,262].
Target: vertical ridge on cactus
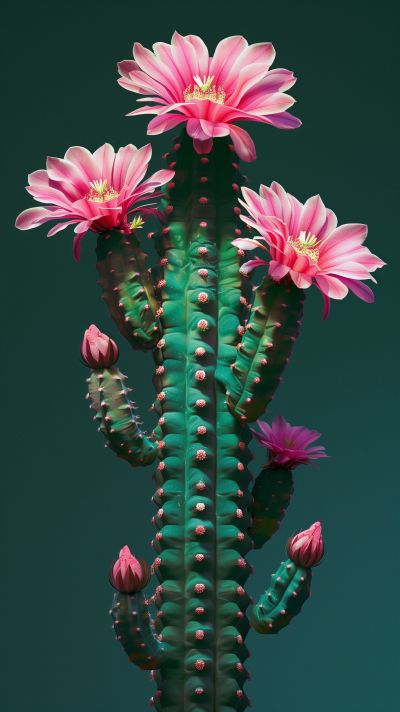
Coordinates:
[220,346]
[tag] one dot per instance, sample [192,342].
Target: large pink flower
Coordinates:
[288,445]
[305,243]
[92,191]
[209,93]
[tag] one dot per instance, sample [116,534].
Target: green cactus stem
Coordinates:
[202,479]
[264,350]
[134,629]
[271,497]
[115,414]
[289,589]
[128,288]
[204,527]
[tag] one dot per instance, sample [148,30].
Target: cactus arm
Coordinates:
[117,421]
[134,629]
[273,326]
[128,288]
[289,589]
[271,497]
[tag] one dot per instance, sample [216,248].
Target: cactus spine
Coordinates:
[218,361]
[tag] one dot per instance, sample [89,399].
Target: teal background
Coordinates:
[67,504]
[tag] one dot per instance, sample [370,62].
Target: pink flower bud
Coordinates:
[97,349]
[127,575]
[306,548]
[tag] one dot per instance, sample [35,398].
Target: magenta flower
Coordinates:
[288,445]
[95,192]
[306,549]
[97,349]
[127,575]
[305,243]
[210,93]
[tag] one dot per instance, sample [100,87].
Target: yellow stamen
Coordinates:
[306,244]
[137,222]
[100,192]
[204,89]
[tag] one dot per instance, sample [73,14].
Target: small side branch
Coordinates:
[271,497]
[128,289]
[289,589]
[134,629]
[115,414]
[270,333]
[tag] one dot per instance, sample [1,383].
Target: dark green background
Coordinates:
[68,505]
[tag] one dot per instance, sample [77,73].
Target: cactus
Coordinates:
[220,346]
[218,360]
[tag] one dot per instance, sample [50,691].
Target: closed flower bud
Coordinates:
[306,548]
[127,574]
[97,349]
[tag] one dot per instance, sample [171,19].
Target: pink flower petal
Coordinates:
[361,290]
[202,146]
[331,286]
[164,123]
[195,130]
[249,76]
[154,67]
[84,161]
[126,67]
[202,60]
[59,169]
[214,130]
[130,166]
[104,157]
[226,53]
[246,243]
[312,216]
[248,267]
[301,280]
[244,145]
[277,270]
[80,231]
[60,226]
[146,110]
[184,55]
[33,217]
[285,121]
[327,306]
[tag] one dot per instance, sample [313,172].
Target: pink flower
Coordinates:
[127,575]
[288,445]
[97,349]
[210,93]
[306,549]
[95,192]
[305,243]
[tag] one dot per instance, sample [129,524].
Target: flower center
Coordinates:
[137,222]
[204,89]
[306,244]
[100,191]
[288,443]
